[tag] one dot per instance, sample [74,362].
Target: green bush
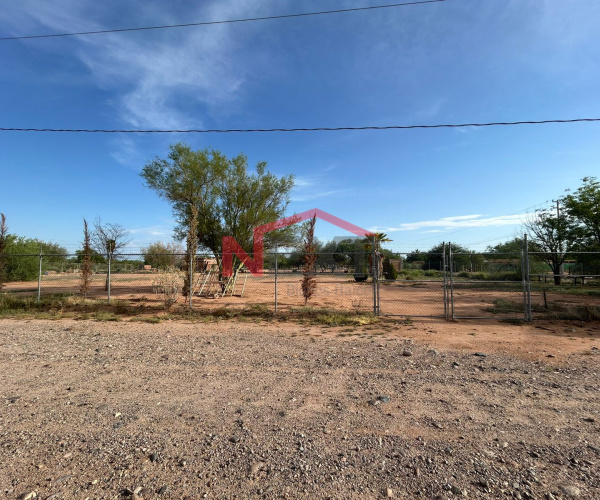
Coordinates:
[389,271]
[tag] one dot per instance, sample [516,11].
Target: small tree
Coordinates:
[309,282]
[3,244]
[109,239]
[86,261]
[389,271]
[162,256]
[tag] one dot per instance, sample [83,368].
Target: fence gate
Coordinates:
[421,288]
[488,285]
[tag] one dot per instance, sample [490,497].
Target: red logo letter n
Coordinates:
[231,247]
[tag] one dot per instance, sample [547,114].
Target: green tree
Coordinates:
[213,196]
[551,237]
[309,282]
[583,208]
[244,201]
[389,271]
[514,246]
[163,256]
[22,257]
[463,259]
[189,180]
[86,261]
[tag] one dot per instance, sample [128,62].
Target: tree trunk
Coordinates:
[192,246]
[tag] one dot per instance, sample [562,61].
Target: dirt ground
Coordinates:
[340,292]
[422,409]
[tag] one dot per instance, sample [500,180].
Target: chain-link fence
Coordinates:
[511,286]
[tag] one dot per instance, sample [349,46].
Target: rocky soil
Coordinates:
[240,410]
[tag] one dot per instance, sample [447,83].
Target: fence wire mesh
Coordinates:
[519,285]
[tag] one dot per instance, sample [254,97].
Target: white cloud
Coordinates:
[158,78]
[460,221]
[307,188]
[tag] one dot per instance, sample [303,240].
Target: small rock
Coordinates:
[571,491]
[163,490]
[407,352]
[455,364]
[389,493]
[384,399]
[235,439]
[255,467]
[480,354]
[28,496]
[455,490]
[154,457]
[282,413]
[145,493]
[589,419]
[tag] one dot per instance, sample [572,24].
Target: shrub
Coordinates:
[168,285]
[389,271]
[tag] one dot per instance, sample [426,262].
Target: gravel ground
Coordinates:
[240,410]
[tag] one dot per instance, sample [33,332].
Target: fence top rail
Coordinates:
[584,275]
[564,253]
[66,256]
[495,254]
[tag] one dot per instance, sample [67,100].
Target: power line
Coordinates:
[314,129]
[229,21]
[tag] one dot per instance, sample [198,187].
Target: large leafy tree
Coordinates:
[552,236]
[246,200]
[213,196]
[188,180]
[583,208]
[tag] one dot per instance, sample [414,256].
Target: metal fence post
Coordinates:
[276,259]
[445,280]
[524,279]
[108,276]
[451,282]
[39,291]
[529,313]
[375,271]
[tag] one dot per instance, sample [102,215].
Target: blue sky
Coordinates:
[451,62]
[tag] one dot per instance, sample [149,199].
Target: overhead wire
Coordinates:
[298,129]
[227,21]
